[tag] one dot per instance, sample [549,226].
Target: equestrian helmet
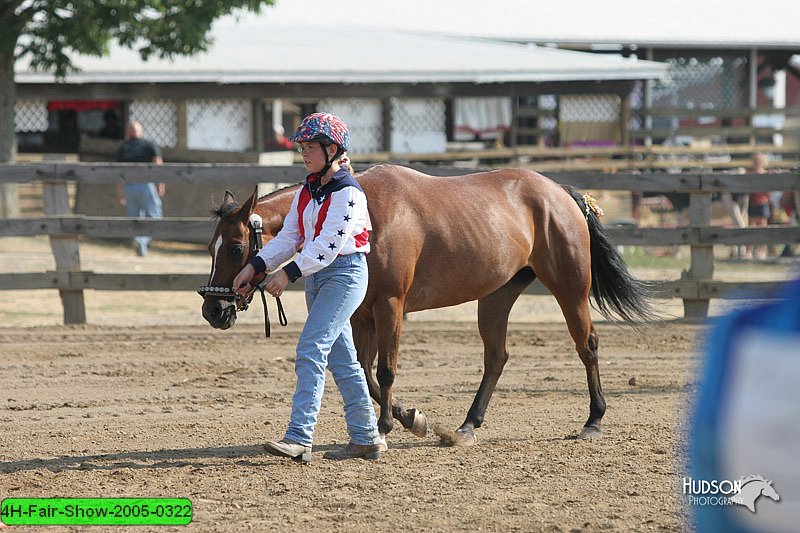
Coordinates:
[325,128]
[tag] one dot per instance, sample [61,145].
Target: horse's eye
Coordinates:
[237,249]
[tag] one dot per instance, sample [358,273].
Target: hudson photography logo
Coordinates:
[744,491]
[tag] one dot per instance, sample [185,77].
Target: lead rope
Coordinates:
[281,312]
[256,224]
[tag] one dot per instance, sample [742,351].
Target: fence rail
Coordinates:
[201,228]
[701,180]
[630,152]
[696,287]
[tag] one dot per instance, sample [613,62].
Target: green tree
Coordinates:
[48,32]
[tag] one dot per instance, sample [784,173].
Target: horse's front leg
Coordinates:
[388,326]
[493,311]
[367,348]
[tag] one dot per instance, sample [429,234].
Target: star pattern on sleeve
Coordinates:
[321,257]
[346,218]
[351,203]
[340,233]
[332,246]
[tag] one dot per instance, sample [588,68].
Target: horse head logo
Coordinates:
[751,488]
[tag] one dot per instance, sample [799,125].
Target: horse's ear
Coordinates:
[250,205]
[228,198]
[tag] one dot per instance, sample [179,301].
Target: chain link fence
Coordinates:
[30,116]
[589,119]
[224,125]
[159,119]
[702,81]
[418,125]
[364,119]
[589,108]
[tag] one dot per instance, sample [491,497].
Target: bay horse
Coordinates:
[443,241]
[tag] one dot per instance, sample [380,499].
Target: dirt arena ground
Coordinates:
[181,412]
[148,401]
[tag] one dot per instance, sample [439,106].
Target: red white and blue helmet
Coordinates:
[322,127]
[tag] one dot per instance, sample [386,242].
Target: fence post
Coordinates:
[702,267]
[65,250]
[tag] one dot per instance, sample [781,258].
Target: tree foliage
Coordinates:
[48,32]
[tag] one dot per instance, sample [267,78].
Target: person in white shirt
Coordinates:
[329,219]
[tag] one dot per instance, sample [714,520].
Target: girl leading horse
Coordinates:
[442,241]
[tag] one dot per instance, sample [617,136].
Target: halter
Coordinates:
[226,293]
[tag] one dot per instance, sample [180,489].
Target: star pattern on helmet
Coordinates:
[323,124]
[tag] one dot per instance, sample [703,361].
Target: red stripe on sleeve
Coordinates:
[362,238]
[302,202]
[323,214]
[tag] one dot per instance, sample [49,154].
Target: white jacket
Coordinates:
[326,221]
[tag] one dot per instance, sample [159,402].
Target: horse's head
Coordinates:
[752,487]
[233,243]
[769,491]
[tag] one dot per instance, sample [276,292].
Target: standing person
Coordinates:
[329,219]
[140,199]
[758,209]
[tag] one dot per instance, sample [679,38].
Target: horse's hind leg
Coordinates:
[579,322]
[567,273]
[493,311]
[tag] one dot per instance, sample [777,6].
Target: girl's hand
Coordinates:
[241,283]
[277,283]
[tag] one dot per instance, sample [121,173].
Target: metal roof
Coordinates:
[261,51]
[678,23]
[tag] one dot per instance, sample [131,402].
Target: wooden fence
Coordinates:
[697,286]
[602,159]
[543,159]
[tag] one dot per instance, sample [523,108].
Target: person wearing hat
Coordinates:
[329,219]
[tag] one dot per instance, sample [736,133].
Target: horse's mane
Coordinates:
[225,210]
[276,191]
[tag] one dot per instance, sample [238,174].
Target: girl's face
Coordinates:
[313,155]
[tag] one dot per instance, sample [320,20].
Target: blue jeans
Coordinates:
[142,200]
[332,296]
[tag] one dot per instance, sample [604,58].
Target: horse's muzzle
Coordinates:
[219,312]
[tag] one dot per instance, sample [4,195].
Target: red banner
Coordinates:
[82,105]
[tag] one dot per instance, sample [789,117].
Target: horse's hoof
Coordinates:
[419,427]
[460,437]
[590,432]
[383,445]
[464,438]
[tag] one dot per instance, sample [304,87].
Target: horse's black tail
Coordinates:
[614,288]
